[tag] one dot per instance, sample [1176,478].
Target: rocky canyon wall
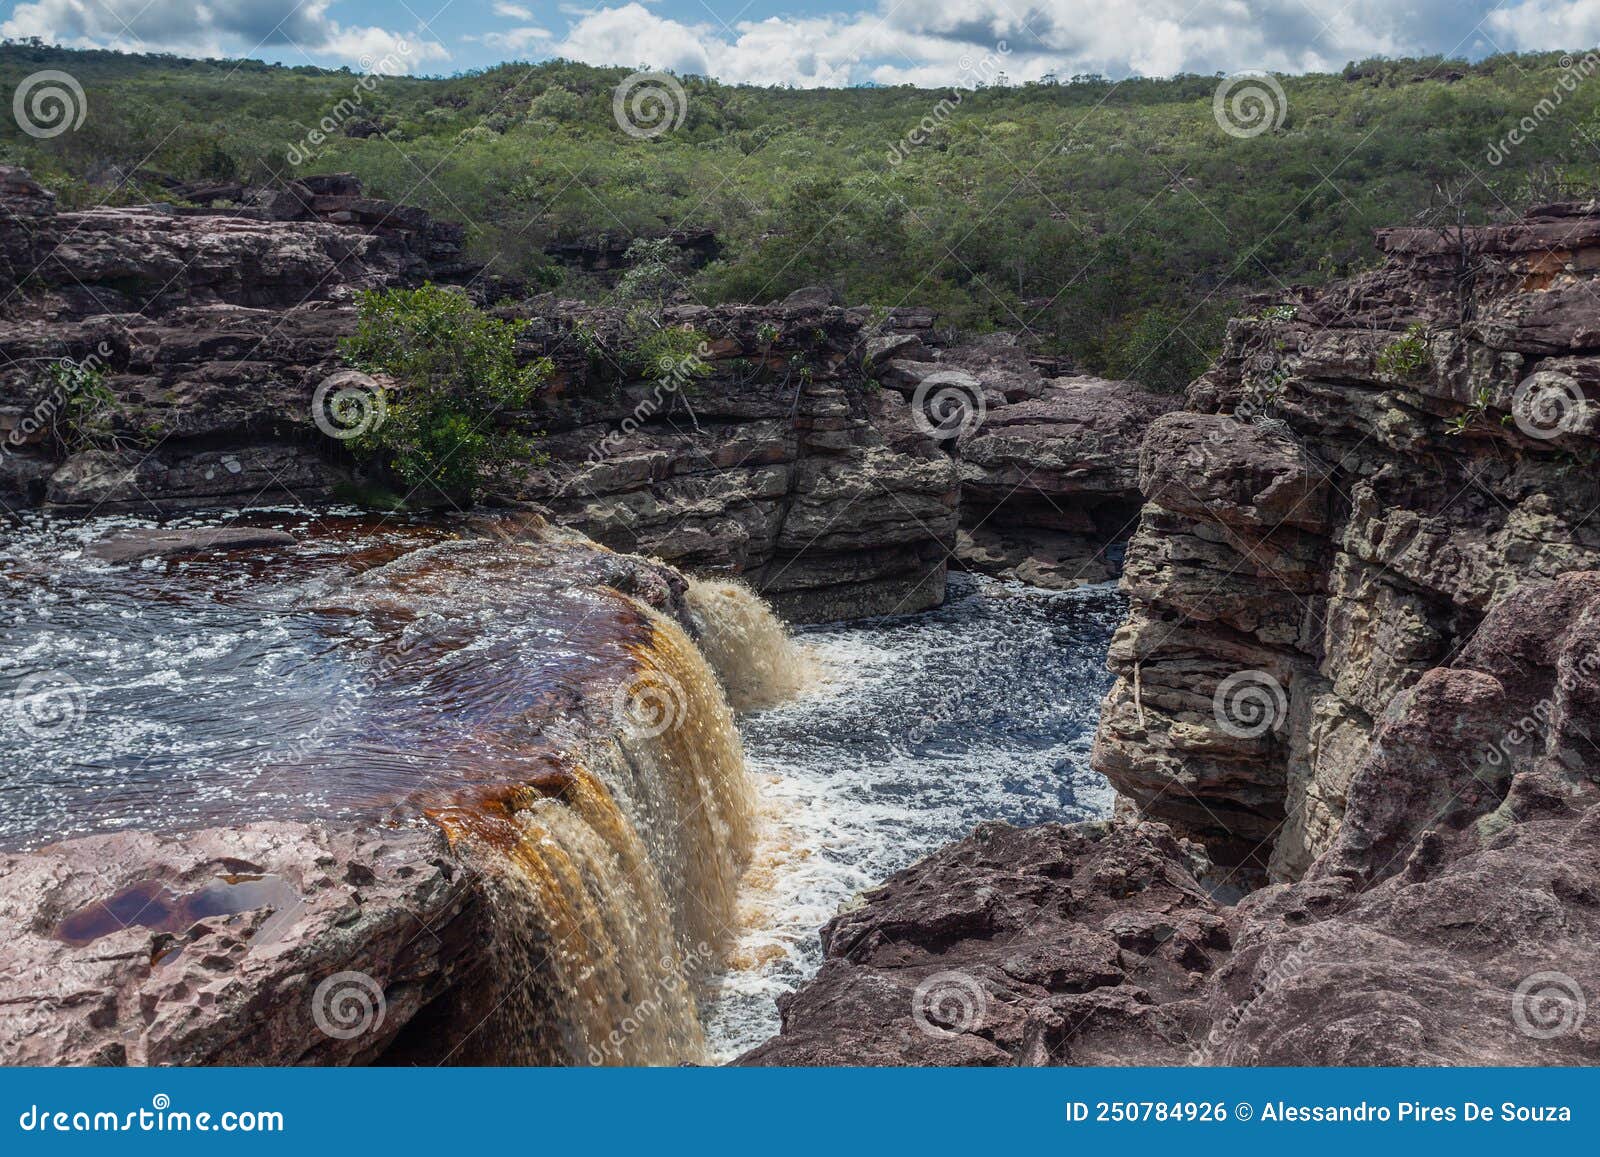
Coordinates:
[1362,657]
[1364,472]
[802,451]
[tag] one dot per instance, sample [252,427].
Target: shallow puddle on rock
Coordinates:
[152,904]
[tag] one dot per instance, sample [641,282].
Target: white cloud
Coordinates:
[633,35]
[1535,25]
[927,42]
[216,28]
[513,40]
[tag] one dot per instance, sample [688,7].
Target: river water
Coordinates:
[914,730]
[377,662]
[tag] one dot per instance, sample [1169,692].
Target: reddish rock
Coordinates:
[1017,946]
[1455,920]
[390,906]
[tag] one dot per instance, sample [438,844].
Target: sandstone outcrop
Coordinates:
[207,948]
[776,458]
[1361,661]
[1049,945]
[209,330]
[792,453]
[1050,484]
[1452,921]
[1364,472]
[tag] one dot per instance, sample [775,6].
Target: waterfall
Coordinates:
[613,875]
[747,646]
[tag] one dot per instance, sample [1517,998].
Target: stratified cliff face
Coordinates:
[211,330]
[1454,920]
[801,450]
[1360,477]
[1363,649]
[830,456]
[777,458]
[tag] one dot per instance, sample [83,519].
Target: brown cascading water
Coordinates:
[613,880]
[746,645]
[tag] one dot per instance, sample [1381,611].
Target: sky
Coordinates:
[809,43]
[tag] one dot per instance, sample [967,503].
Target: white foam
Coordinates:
[918,729]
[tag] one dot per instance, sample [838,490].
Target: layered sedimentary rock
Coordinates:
[1048,464]
[796,451]
[829,454]
[776,458]
[1361,656]
[1363,473]
[209,330]
[1453,920]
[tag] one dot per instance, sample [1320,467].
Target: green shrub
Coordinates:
[1406,356]
[651,276]
[661,351]
[82,405]
[1164,350]
[457,376]
[556,104]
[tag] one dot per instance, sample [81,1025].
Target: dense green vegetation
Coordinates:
[456,371]
[1116,221]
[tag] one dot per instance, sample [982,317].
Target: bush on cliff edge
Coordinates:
[458,380]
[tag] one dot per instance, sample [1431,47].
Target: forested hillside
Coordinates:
[1116,221]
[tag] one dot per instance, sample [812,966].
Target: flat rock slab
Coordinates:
[137,545]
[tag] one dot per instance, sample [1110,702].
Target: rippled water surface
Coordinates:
[316,681]
[378,660]
[919,728]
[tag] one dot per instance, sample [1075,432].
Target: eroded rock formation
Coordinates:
[792,454]
[1361,476]
[1363,655]
[1453,920]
